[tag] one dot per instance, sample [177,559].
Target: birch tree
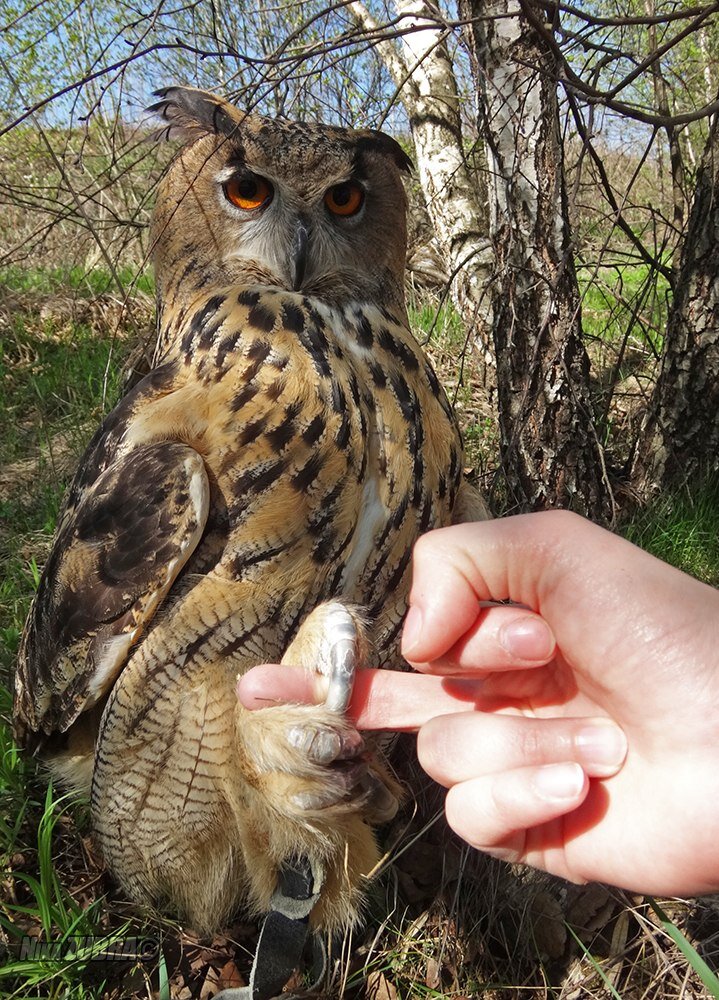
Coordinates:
[550,452]
[681,430]
[420,65]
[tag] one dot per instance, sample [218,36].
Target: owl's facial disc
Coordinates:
[320,224]
[313,209]
[283,235]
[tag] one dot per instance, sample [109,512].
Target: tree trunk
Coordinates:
[661,99]
[421,68]
[680,435]
[550,447]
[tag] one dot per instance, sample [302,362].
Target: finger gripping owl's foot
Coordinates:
[309,758]
[329,641]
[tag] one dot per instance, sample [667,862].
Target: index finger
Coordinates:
[517,558]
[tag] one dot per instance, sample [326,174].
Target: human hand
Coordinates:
[535,770]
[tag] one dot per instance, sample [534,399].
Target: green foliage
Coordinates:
[62,920]
[54,374]
[595,965]
[20,575]
[13,779]
[440,330]
[628,303]
[37,901]
[439,324]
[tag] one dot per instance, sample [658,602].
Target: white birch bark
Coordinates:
[420,65]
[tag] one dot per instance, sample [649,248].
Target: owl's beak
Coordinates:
[298,261]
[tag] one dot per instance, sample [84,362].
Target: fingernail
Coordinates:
[527,639]
[602,746]
[558,782]
[412,630]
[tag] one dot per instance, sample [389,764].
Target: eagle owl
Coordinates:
[254,498]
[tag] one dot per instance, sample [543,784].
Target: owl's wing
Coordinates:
[122,542]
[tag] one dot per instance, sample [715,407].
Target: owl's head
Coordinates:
[312,208]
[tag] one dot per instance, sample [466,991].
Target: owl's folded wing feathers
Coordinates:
[114,559]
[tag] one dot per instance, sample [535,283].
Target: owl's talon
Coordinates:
[382,804]
[343,662]
[323,746]
[344,787]
[352,745]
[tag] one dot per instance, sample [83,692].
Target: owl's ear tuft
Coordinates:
[373,139]
[190,113]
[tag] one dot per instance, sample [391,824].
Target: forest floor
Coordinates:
[442,921]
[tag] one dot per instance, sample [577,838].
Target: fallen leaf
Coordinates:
[379,987]
[228,977]
[432,977]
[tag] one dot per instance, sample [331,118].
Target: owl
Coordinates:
[255,498]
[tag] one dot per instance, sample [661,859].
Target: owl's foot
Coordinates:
[329,643]
[309,758]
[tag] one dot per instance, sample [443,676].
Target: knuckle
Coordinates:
[562,522]
[531,744]
[423,548]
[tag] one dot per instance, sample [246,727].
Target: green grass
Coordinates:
[440,331]
[439,324]
[52,380]
[624,302]
[682,528]
[43,899]
[79,280]
[707,975]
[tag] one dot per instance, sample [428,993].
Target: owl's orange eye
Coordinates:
[249,191]
[345,199]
